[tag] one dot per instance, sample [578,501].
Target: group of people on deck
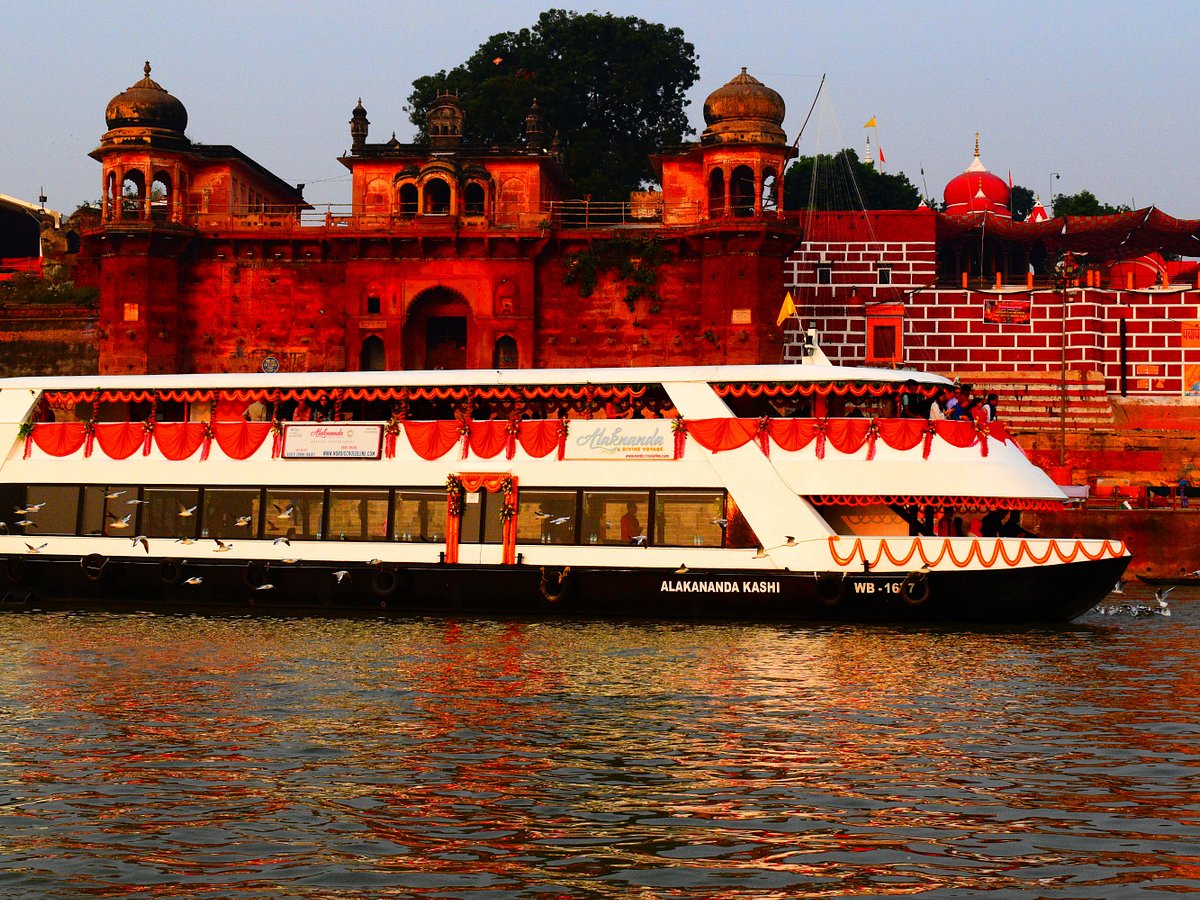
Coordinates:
[960,404]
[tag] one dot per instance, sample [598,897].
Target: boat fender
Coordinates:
[554,586]
[914,590]
[93,566]
[384,582]
[831,589]
[170,571]
[255,574]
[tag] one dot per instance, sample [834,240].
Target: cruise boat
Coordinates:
[791,492]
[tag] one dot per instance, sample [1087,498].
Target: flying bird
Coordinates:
[282,540]
[195,579]
[222,547]
[374,562]
[1161,595]
[1119,587]
[682,570]
[285,513]
[560,520]
[28,509]
[185,511]
[122,522]
[185,540]
[638,540]
[289,561]
[720,523]
[265,587]
[789,541]
[38,549]
[143,540]
[25,522]
[242,522]
[542,515]
[113,495]
[340,574]
[135,502]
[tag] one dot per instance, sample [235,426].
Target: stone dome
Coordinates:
[146,105]
[976,190]
[744,111]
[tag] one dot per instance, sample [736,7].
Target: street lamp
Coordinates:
[1054,176]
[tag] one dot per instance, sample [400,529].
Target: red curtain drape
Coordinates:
[957,434]
[792,434]
[239,440]
[847,435]
[120,440]
[722,434]
[493,482]
[488,438]
[902,434]
[540,438]
[432,440]
[178,440]
[59,438]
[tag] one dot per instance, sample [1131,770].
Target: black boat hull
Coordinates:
[1041,594]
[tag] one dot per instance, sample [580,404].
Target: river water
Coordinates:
[206,757]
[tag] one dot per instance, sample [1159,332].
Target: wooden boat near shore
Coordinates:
[801,493]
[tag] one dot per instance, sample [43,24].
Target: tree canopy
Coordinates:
[613,89]
[1020,202]
[1084,203]
[842,181]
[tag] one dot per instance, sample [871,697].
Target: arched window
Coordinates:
[161,197]
[473,199]
[408,200]
[133,193]
[504,355]
[770,190]
[437,197]
[111,196]
[741,191]
[716,194]
[373,357]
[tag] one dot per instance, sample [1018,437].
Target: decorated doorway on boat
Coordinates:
[479,504]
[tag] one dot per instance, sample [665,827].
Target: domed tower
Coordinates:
[977,190]
[444,122]
[142,152]
[744,149]
[359,124]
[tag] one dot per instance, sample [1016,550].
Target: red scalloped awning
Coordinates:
[938,502]
[822,389]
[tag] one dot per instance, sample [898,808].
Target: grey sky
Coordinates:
[1103,92]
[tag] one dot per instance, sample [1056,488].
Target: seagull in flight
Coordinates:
[195,579]
[682,570]
[638,540]
[113,495]
[143,540]
[720,523]
[282,540]
[537,512]
[135,502]
[242,522]
[265,587]
[25,522]
[222,547]
[340,574]
[561,520]
[186,511]
[185,540]
[38,549]
[1119,587]
[122,522]
[28,509]
[1161,595]
[285,513]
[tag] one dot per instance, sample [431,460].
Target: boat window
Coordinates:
[546,517]
[231,513]
[420,516]
[171,513]
[57,507]
[689,518]
[296,514]
[493,521]
[110,510]
[614,517]
[359,515]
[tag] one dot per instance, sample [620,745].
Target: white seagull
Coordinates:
[185,511]
[38,549]
[195,579]
[340,574]
[143,540]
[222,547]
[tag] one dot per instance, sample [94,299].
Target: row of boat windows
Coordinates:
[659,517]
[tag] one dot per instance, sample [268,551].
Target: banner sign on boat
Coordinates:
[620,439]
[332,440]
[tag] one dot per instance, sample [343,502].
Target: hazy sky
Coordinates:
[1104,93]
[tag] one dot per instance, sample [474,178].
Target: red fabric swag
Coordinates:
[239,440]
[847,435]
[716,435]
[59,438]
[120,440]
[902,434]
[488,438]
[178,440]
[432,440]
[792,434]
[539,438]
[957,434]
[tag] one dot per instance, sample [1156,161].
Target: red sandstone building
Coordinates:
[456,255]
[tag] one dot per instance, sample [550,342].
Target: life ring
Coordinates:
[255,574]
[831,589]
[553,587]
[14,569]
[384,582]
[914,590]
[170,571]
[93,566]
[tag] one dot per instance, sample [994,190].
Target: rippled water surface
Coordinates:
[199,757]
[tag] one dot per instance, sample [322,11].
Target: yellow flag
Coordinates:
[871,123]
[787,310]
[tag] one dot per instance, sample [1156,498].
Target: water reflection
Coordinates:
[253,758]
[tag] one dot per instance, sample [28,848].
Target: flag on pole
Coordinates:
[871,123]
[787,310]
[881,159]
[1010,179]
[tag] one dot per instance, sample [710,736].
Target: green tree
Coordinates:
[613,88]
[1020,202]
[1084,203]
[53,289]
[842,181]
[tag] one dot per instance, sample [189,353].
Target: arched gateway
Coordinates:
[436,330]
